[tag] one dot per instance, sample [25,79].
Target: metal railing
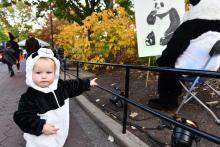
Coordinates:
[125,98]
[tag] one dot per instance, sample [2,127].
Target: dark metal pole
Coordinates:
[64,69]
[125,102]
[77,69]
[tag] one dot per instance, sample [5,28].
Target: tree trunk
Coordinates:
[109,4]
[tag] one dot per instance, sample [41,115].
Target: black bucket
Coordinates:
[182,137]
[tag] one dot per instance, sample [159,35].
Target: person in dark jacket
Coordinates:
[9,57]
[31,44]
[43,110]
[14,45]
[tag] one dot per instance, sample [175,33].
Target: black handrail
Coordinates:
[202,73]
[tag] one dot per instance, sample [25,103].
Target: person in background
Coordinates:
[43,110]
[9,58]
[14,45]
[31,44]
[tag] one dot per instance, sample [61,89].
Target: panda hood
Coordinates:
[205,9]
[32,59]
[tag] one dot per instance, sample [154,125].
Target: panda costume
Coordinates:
[188,49]
[41,105]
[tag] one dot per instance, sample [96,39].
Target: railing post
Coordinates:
[64,61]
[127,74]
[77,70]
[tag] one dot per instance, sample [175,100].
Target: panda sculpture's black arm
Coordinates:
[180,40]
[174,23]
[151,18]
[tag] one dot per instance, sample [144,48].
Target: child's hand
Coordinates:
[93,82]
[49,129]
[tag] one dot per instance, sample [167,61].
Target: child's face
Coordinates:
[43,73]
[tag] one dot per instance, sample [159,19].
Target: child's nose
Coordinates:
[44,75]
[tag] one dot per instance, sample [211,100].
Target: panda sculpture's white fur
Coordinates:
[189,48]
[199,48]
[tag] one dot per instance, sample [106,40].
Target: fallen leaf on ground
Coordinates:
[110,138]
[212,103]
[133,114]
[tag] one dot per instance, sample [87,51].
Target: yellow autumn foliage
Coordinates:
[108,36]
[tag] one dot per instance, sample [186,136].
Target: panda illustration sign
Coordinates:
[156,20]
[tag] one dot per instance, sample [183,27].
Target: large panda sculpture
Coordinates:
[189,49]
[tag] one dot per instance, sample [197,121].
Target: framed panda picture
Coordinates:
[156,20]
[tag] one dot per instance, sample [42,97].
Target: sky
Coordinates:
[36,25]
[40,21]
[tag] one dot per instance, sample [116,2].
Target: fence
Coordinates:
[125,98]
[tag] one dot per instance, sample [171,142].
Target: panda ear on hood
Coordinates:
[194,2]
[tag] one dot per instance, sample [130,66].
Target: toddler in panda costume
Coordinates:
[189,49]
[43,110]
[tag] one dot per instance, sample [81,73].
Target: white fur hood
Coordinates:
[31,60]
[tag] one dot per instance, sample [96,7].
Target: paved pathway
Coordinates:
[83,131]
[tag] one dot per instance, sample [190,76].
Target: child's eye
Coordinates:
[37,72]
[49,72]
